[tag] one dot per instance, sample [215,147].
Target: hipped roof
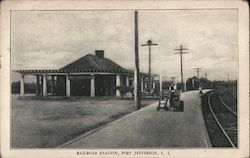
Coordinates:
[88,63]
[92,63]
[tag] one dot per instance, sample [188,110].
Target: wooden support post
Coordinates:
[127,81]
[142,85]
[118,84]
[67,86]
[92,86]
[45,85]
[22,85]
[153,84]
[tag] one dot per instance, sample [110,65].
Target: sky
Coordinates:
[53,39]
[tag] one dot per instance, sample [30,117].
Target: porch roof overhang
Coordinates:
[37,71]
[79,72]
[71,72]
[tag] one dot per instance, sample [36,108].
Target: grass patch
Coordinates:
[50,123]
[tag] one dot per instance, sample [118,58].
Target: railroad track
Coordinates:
[221,121]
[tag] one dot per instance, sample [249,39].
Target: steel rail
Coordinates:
[217,121]
[227,106]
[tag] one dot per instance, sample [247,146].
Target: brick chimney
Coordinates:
[99,53]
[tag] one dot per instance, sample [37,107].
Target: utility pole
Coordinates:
[180,51]
[137,77]
[198,71]
[149,44]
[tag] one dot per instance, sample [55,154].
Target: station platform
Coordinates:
[148,128]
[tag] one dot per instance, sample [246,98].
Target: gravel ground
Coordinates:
[229,96]
[50,123]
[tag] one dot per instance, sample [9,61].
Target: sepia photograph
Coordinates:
[128,82]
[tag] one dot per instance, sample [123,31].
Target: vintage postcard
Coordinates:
[124,79]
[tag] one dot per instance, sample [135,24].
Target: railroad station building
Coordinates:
[91,75]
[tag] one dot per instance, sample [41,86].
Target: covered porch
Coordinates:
[56,83]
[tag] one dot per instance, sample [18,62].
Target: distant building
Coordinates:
[91,75]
